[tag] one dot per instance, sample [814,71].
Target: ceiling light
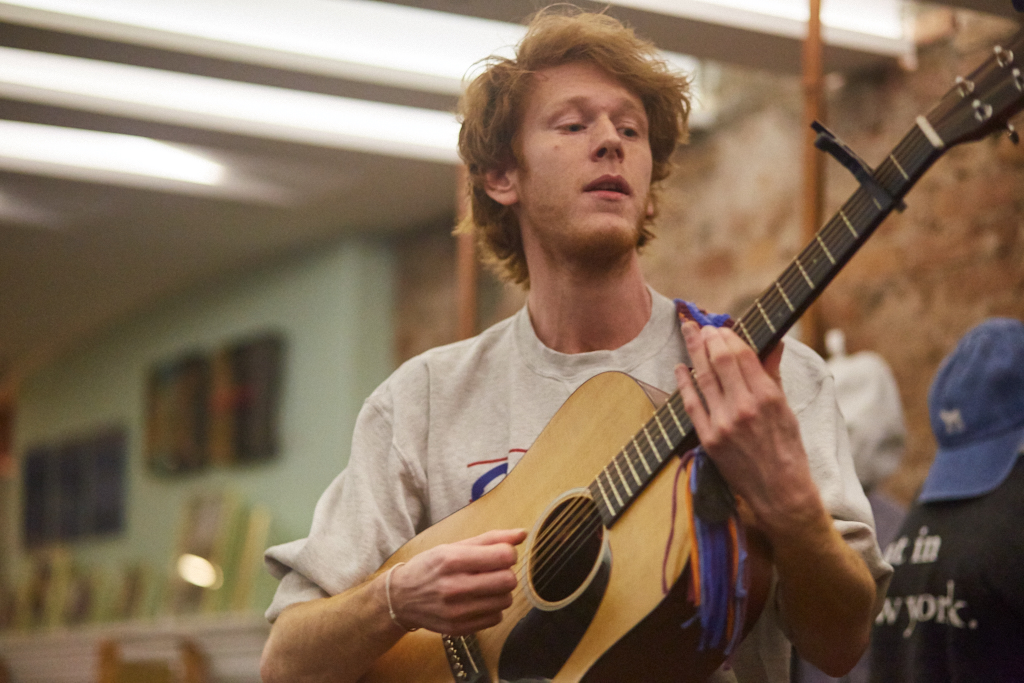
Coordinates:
[228,106]
[126,160]
[362,40]
[29,145]
[356,39]
[869,25]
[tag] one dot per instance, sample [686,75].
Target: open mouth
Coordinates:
[609,183]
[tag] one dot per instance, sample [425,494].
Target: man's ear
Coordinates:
[502,185]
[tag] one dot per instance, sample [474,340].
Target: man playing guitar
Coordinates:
[564,145]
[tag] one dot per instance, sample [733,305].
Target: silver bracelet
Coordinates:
[387,593]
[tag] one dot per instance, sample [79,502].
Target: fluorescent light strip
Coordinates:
[89,149]
[869,25]
[422,49]
[228,106]
[116,159]
[356,39]
[408,46]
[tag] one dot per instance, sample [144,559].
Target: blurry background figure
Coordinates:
[870,402]
[955,608]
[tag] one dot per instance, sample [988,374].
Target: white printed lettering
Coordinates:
[921,608]
[943,609]
[954,606]
[926,548]
[890,610]
[894,551]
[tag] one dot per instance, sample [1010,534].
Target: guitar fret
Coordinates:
[899,168]
[622,477]
[654,449]
[929,132]
[803,272]
[848,223]
[611,485]
[743,329]
[765,316]
[629,461]
[784,297]
[668,441]
[825,249]
[472,662]
[640,455]
[679,425]
[607,502]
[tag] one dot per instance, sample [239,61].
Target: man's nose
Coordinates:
[608,142]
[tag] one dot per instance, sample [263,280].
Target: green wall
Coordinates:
[334,308]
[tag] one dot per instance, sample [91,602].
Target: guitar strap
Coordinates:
[718,586]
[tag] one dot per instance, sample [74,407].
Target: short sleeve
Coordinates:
[367,512]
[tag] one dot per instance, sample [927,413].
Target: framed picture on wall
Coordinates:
[74,489]
[256,379]
[177,414]
[220,407]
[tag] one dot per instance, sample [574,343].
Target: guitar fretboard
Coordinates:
[771,315]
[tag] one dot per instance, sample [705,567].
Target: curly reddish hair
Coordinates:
[492,107]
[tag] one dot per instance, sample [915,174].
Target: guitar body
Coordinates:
[610,620]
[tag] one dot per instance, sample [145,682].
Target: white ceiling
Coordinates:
[77,254]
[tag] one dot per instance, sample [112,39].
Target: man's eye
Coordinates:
[574,127]
[631,132]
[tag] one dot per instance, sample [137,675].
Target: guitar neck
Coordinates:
[776,310]
[771,315]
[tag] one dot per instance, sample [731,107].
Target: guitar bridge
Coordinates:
[465,659]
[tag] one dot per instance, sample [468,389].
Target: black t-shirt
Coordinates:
[955,608]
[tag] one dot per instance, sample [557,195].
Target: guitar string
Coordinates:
[592,523]
[832,233]
[587,517]
[580,510]
[913,152]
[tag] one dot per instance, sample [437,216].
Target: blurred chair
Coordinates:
[114,669]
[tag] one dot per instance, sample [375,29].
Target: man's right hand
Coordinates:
[458,588]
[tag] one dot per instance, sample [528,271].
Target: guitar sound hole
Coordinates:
[566,549]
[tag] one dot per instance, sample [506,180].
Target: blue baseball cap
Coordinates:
[976,405]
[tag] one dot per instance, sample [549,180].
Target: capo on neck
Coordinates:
[828,142]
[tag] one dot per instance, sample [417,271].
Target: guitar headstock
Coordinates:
[983,102]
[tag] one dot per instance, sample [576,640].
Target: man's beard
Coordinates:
[596,252]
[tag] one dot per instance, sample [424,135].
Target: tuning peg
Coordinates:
[1011,133]
[964,86]
[1003,57]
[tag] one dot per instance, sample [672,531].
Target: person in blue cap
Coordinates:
[955,608]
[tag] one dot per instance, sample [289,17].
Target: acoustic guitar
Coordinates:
[594,488]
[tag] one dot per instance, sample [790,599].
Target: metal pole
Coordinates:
[814,167]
